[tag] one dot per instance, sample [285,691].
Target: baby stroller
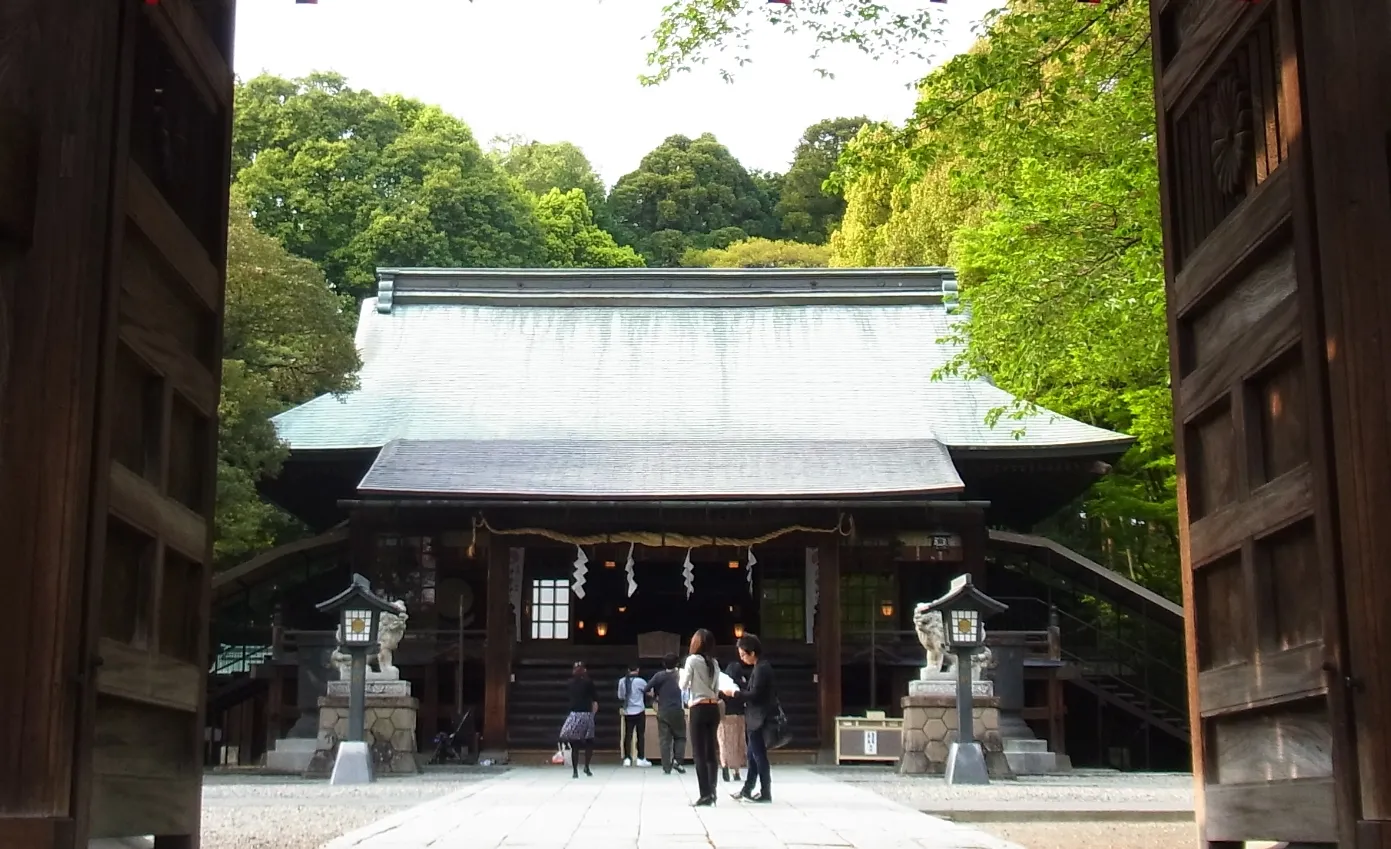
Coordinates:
[461,746]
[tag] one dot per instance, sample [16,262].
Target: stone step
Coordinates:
[1023,745]
[296,744]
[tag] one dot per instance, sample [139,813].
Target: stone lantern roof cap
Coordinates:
[964,595]
[359,591]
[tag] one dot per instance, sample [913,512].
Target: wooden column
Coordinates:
[58,127]
[1345,57]
[974,539]
[828,646]
[497,651]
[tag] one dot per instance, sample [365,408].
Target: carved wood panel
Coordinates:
[1257,524]
[169,261]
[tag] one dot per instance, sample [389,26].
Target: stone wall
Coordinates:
[930,727]
[388,726]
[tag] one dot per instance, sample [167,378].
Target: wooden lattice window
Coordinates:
[862,595]
[550,609]
[784,610]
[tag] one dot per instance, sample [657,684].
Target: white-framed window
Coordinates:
[550,609]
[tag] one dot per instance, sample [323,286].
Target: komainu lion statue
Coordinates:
[391,627]
[940,662]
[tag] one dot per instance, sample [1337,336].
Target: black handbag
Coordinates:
[777,733]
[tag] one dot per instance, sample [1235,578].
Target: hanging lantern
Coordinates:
[738,630]
[887,609]
[602,629]
[609,564]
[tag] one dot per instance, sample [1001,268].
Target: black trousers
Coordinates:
[705,747]
[635,722]
[759,769]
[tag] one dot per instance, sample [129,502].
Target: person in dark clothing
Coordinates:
[578,729]
[760,705]
[733,743]
[701,677]
[665,691]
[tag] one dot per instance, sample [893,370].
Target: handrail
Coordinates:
[1090,626]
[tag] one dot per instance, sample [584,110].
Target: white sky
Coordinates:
[566,70]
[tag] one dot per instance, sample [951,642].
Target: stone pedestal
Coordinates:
[930,727]
[388,723]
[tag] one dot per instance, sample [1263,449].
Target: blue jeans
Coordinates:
[757,745]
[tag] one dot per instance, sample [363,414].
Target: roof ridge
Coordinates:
[663,287]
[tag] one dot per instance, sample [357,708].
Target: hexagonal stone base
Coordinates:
[389,728]
[930,727]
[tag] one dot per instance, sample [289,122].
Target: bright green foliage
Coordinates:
[691,30]
[573,240]
[539,167]
[760,253]
[807,209]
[1029,164]
[287,337]
[693,188]
[354,181]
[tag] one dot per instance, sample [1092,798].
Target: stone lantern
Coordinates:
[963,610]
[359,613]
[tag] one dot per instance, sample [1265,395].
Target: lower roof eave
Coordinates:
[935,500]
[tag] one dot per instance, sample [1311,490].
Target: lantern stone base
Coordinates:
[388,726]
[930,728]
[944,684]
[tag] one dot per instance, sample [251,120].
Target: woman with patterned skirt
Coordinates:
[733,744]
[578,729]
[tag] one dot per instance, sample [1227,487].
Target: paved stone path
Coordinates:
[543,808]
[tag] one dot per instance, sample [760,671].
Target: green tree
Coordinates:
[759,253]
[809,209]
[1029,164]
[287,337]
[573,240]
[539,167]
[694,187]
[352,181]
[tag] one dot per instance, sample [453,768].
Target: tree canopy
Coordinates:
[573,240]
[759,253]
[287,337]
[354,181]
[808,208]
[1029,164]
[539,167]
[693,188]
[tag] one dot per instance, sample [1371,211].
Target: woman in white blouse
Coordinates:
[701,676]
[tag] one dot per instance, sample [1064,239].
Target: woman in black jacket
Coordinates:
[578,729]
[760,697]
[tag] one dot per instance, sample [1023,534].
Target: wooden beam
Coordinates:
[1286,811]
[1270,679]
[1241,234]
[828,637]
[1247,354]
[139,503]
[497,650]
[37,832]
[139,676]
[171,237]
[1283,500]
[195,51]
[123,805]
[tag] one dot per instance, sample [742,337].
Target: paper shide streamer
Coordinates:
[688,572]
[581,569]
[749,570]
[628,567]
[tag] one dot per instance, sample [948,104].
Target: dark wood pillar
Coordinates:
[975,537]
[828,646]
[362,544]
[1345,56]
[497,651]
[58,122]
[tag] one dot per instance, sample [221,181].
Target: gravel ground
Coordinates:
[1074,793]
[273,812]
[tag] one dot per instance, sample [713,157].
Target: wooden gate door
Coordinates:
[1273,123]
[115,125]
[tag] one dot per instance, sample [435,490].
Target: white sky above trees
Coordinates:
[566,70]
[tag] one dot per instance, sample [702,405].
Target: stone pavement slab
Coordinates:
[636,808]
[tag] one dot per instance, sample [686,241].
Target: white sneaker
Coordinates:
[627,761]
[644,762]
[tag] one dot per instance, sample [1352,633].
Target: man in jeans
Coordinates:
[632,695]
[665,688]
